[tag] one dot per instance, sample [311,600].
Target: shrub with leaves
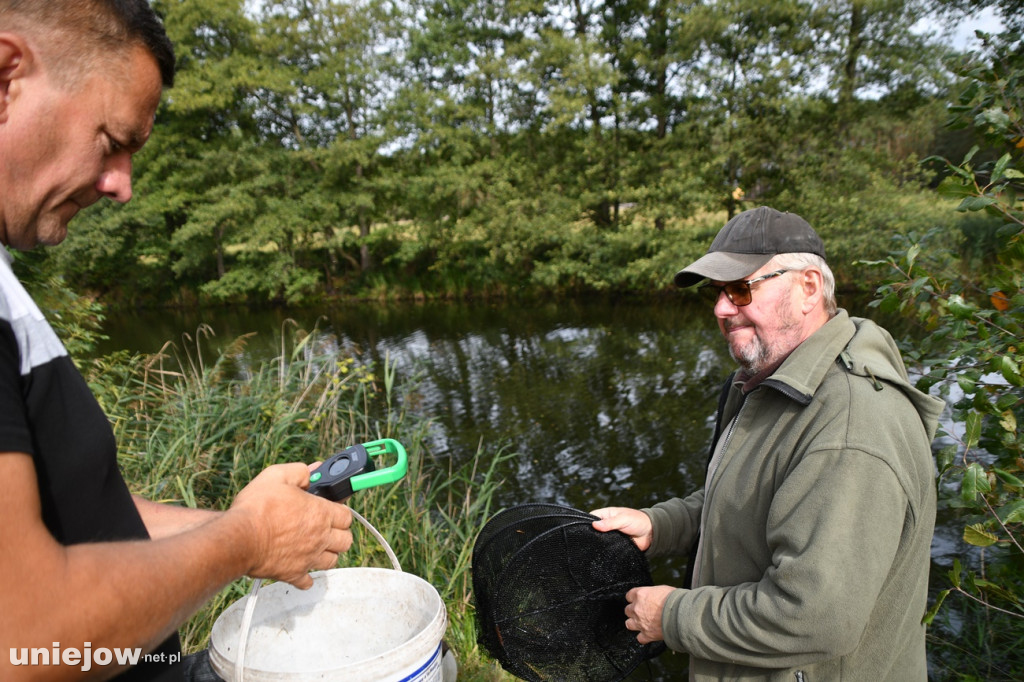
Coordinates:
[973,355]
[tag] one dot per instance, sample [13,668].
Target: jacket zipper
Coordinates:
[712,470]
[720,452]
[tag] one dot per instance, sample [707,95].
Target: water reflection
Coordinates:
[605,403]
[602,406]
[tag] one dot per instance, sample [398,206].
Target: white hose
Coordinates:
[250,602]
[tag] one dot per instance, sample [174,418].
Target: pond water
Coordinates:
[606,403]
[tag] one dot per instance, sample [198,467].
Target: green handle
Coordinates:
[387,475]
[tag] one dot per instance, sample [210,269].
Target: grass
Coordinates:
[194,432]
[970,643]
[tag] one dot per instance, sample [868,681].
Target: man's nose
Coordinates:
[723,306]
[116,180]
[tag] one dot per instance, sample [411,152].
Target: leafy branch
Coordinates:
[973,352]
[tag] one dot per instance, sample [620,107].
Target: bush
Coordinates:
[973,355]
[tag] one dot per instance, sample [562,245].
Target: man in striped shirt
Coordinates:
[83,562]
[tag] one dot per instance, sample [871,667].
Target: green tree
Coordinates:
[870,48]
[751,66]
[318,147]
[341,59]
[471,121]
[664,168]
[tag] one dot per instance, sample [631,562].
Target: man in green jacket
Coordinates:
[811,537]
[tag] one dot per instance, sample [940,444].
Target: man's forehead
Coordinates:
[135,91]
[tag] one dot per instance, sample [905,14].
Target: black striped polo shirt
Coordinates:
[48,412]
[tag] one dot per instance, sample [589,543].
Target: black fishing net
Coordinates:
[550,592]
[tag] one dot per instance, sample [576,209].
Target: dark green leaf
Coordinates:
[974,481]
[955,573]
[934,610]
[1013,512]
[972,433]
[944,458]
[999,169]
[975,203]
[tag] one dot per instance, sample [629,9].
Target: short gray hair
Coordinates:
[804,261]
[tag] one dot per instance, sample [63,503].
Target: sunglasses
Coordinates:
[738,292]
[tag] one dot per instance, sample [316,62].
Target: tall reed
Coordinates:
[194,432]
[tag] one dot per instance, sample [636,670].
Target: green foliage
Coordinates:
[973,354]
[320,148]
[194,432]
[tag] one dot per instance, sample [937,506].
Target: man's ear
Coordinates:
[14,59]
[813,284]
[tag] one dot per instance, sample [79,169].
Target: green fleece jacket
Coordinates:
[816,525]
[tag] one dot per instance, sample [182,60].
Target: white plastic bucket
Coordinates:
[354,624]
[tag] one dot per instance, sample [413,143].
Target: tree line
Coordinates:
[317,148]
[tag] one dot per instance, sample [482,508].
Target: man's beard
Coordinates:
[753,357]
[757,355]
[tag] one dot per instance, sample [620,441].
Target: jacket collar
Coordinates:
[802,372]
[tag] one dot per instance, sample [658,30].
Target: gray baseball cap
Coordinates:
[747,242]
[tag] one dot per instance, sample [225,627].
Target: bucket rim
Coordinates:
[431,633]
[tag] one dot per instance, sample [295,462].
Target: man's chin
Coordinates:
[51,240]
[751,357]
[53,233]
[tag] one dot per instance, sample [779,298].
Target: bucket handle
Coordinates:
[380,539]
[250,602]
